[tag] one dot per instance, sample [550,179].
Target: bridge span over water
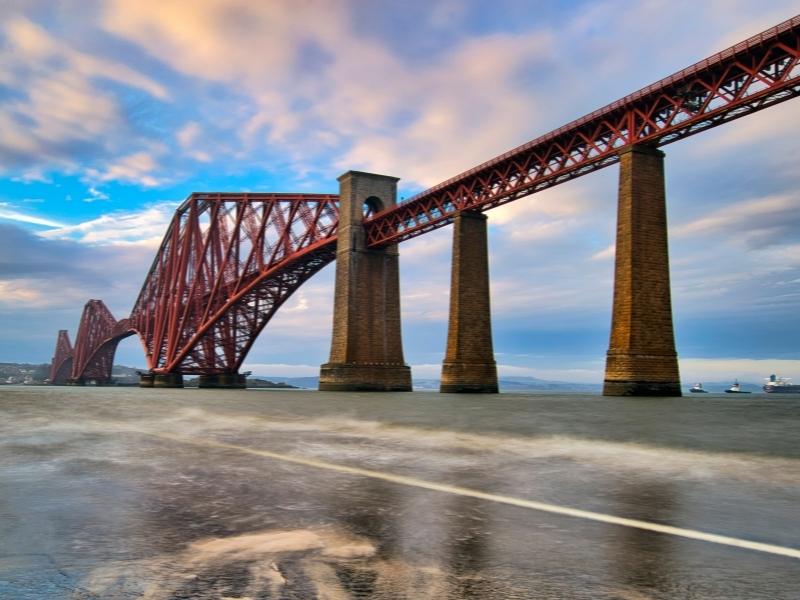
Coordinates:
[228,261]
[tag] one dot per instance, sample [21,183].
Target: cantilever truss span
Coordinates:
[61,365]
[228,261]
[98,335]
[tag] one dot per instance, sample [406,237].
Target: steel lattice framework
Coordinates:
[61,365]
[228,261]
[98,335]
[750,76]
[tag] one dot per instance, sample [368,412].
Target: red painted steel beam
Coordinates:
[221,342]
[98,335]
[227,262]
[61,365]
[750,76]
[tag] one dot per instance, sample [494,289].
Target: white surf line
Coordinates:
[461,491]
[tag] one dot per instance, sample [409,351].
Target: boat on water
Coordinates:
[697,388]
[736,388]
[780,385]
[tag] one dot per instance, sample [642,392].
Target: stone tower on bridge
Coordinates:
[366,349]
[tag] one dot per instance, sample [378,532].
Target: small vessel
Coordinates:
[736,388]
[697,388]
[780,385]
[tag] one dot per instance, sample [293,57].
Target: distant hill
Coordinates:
[526,384]
[37,373]
[507,384]
[252,383]
[124,375]
[522,384]
[23,373]
[306,383]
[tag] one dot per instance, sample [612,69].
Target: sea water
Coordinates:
[162,494]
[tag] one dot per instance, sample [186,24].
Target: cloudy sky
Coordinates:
[112,112]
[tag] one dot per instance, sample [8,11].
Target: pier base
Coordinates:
[146,380]
[168,380]
[641,359]
[469,364]
[223,381]
[365,378]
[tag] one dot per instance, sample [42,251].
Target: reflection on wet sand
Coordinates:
[122,494]
[249,565]
[302,564]
[468,552]
[643,560]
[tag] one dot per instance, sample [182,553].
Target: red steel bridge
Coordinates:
[229,260]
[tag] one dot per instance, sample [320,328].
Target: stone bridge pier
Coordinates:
[469,364]
[641,359]
[366,346]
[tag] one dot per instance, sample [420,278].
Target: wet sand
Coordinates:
[167,494]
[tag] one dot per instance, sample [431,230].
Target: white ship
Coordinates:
[736,388]
[780,385]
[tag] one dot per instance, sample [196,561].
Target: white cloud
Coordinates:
[314,84]
[188,139]
[759,222]
[61,112]
[479,77]
[37,294]
[14,293]
[95,195]
[767,127]
[13,215]
[145,227]
[32,176]
[136,168]
[34,44]
[607,253]
[65,106]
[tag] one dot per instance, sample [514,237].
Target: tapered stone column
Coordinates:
[469,364]
[366,347]
[641,358]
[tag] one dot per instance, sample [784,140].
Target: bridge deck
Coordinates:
[107,493]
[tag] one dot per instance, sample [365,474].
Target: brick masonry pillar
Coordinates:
[366,346]
[641,359]
[469,364]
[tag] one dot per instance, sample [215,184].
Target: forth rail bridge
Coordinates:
[229,261]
